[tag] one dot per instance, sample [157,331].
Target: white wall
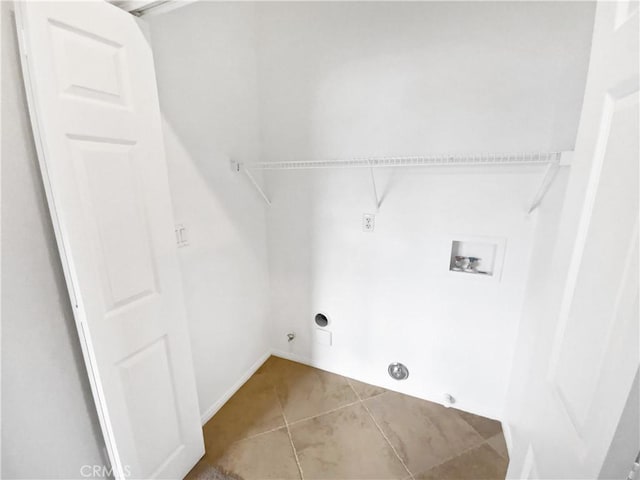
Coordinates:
[312,80]
[348,79]
[389,294]
[49,424]
[207,81]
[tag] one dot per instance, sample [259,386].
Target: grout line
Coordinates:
[468,449]
[384,390]
[286,424]
[325,413]
[494,448]
[354,390]
[388,441]
[486,440]
[381,431]
[295,454]
[376,395]
[462,452]
[271,430]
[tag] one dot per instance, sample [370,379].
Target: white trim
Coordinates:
[440,401]
[508,438]
[217,405]
[294,357]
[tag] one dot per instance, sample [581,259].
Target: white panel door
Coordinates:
[595,351]
[91,88]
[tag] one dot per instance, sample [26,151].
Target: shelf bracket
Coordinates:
[239,167]
[547,180]
[374,188]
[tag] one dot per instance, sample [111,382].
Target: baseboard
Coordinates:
[213,409]
[435,399]
[295,358]
[306,361]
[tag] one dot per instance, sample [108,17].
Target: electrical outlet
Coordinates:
[368,222]
[181,236]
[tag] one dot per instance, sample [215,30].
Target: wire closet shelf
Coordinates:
[536,158]
[552,161]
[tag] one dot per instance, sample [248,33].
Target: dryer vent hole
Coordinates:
[322,320]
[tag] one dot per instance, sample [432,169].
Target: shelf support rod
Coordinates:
[238,167]
[547,180]
[373,185]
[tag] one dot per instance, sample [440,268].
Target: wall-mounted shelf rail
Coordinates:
[553,161]
[415,161]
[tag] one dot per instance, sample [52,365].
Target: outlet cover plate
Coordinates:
[368,222]
[323,337]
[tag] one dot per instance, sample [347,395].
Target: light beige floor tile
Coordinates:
[305,391]
[275,368]
[253,409]
[364,390]
[344,444]
[499,445]
[480,463]
[266,369]
[486,427]
[265,456]
[423,433]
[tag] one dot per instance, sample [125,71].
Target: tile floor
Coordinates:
[291,421]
